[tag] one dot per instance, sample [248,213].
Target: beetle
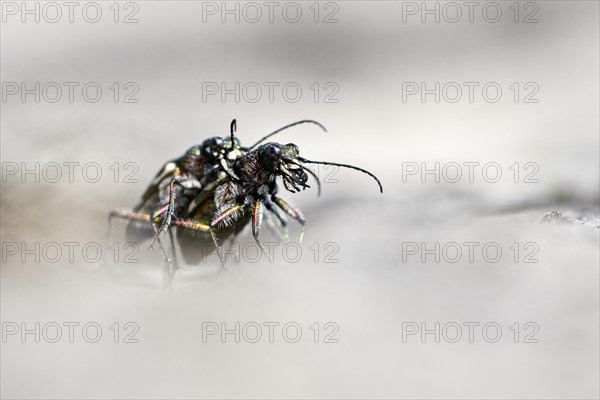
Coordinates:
[183,183]
[181,179]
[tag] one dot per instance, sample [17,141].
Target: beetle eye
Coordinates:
[211,147]
[212,142]
[273,152]
[295,149]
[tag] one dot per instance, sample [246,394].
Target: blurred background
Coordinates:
[171,74]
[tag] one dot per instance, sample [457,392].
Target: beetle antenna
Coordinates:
[304,121]
[304,160]
[233,131]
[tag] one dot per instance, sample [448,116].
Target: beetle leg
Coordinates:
[228,170]
[169,208]
[187,224]
[292,212]
[130,215]
[169,267]
[221,218]
[257,219]
[224,216]
[285,234]
[196,226]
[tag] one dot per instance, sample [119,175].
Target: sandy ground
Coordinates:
[358,274]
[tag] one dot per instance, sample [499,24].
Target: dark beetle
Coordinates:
[180,180]
[187,185]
